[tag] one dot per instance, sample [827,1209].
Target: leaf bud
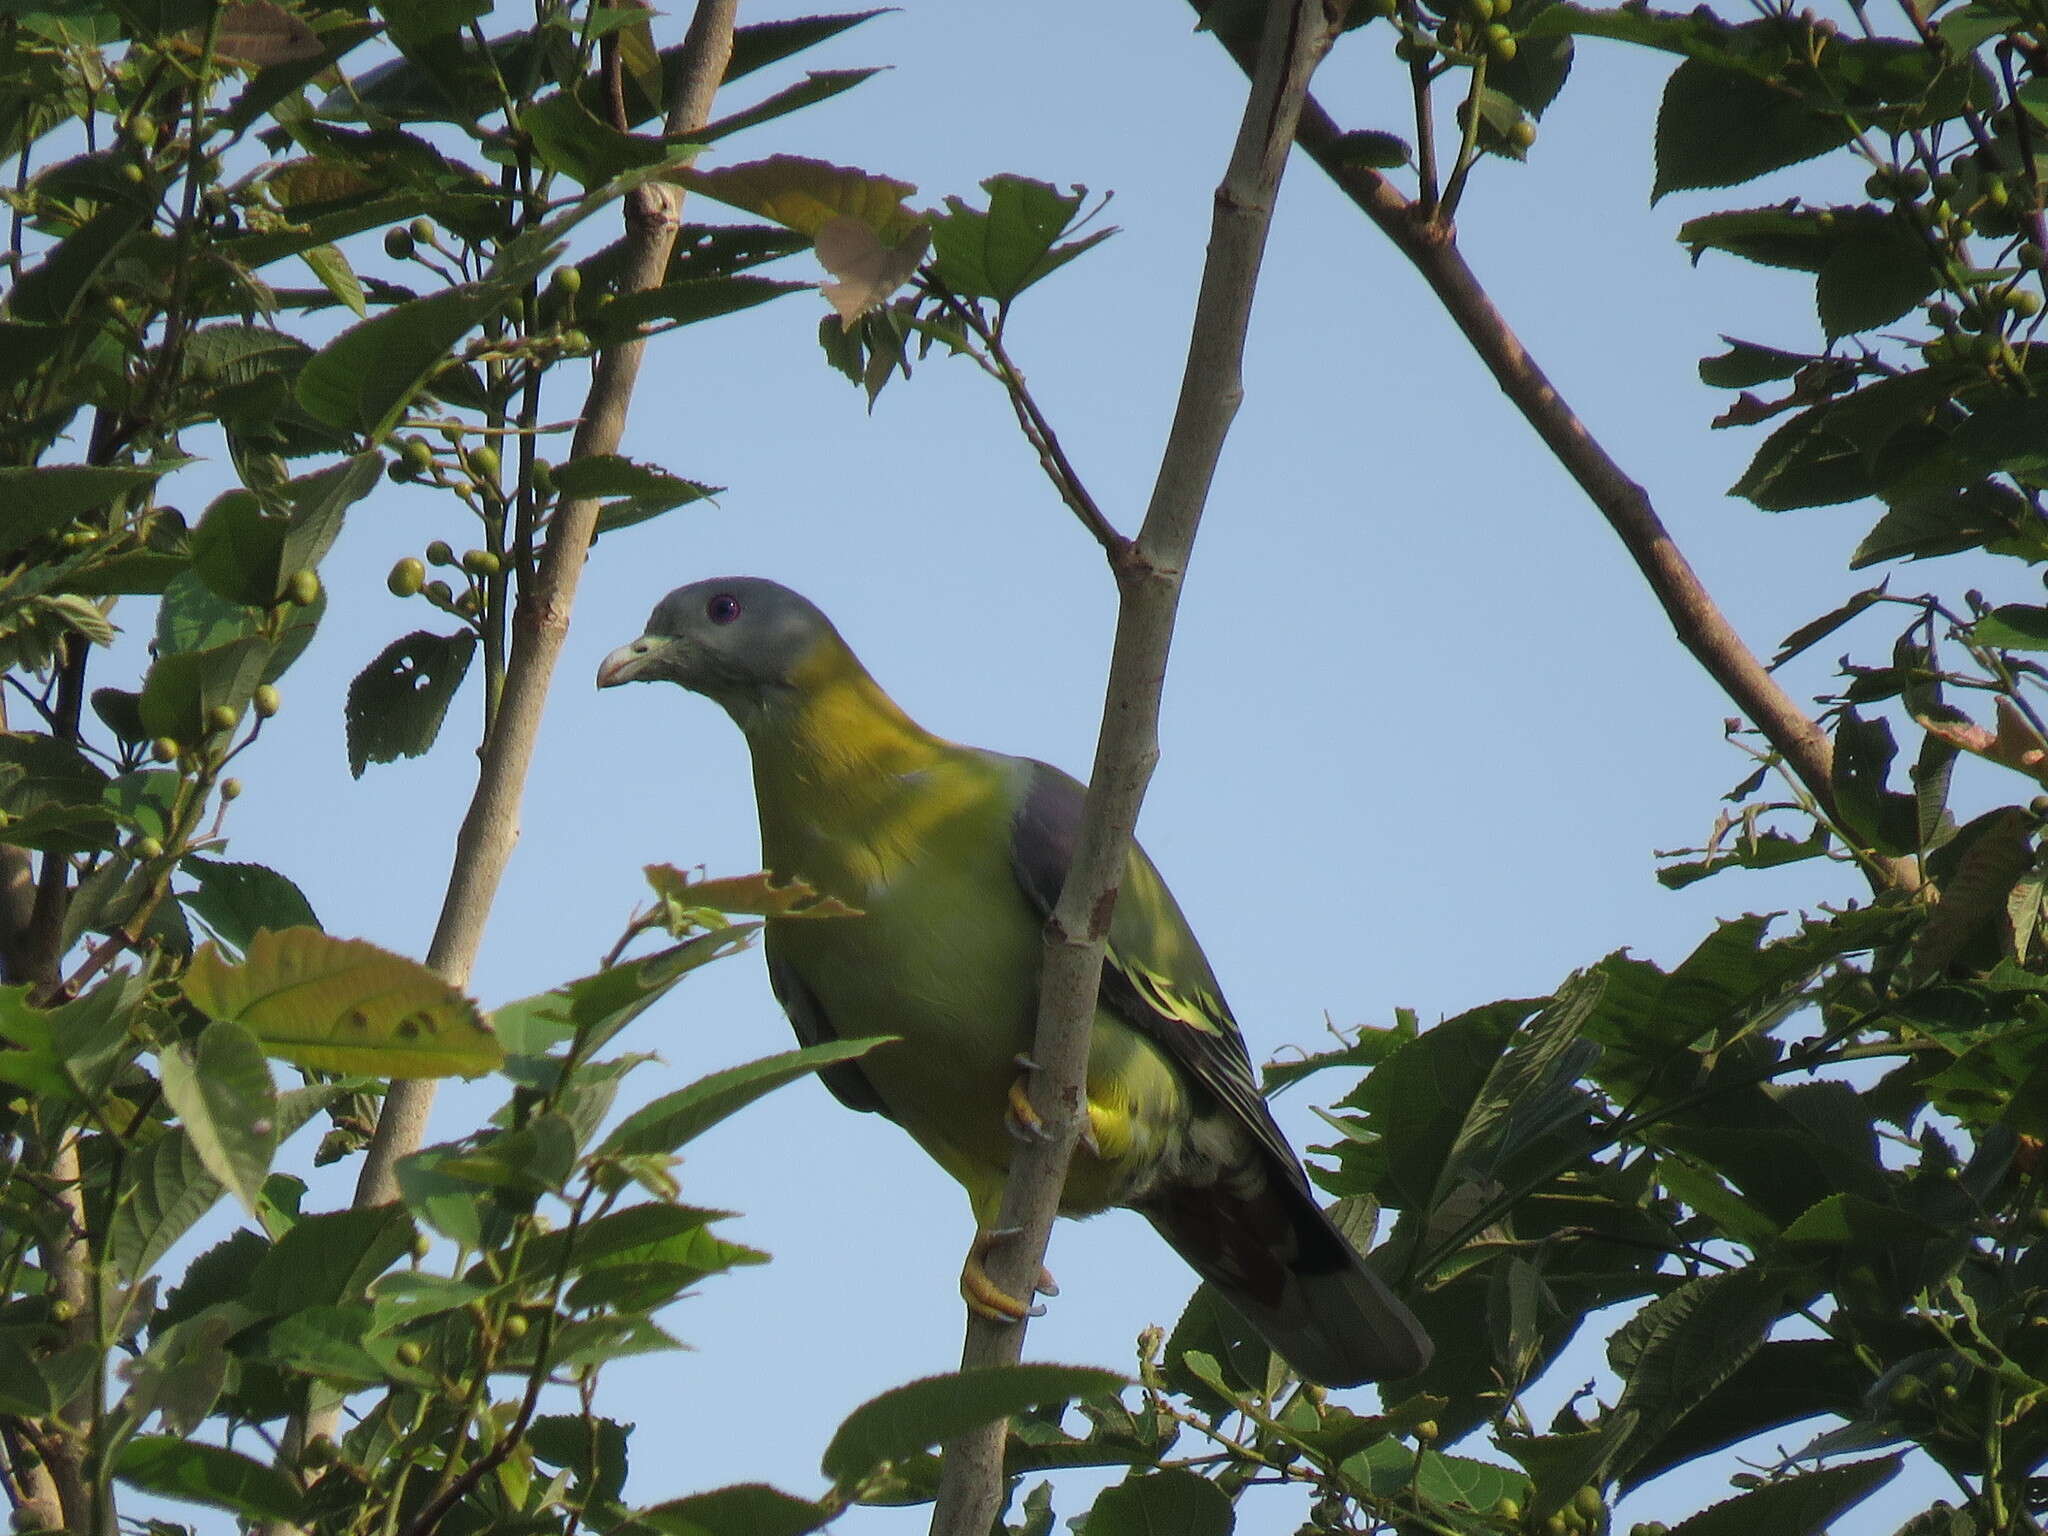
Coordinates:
[304,587]
[566,280]
[267,701]
[407,577]
[398,244]
[438,553]
[222,717]
[164,749]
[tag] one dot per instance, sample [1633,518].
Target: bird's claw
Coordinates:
[1020,1118]
[983,1296]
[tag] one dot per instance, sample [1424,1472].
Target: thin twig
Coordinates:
[1698,621]
[1297,33]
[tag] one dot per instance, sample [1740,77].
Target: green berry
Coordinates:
[438,553]
[303,588]
[1522,134]
[575,341]
[410,1353]
[566,280]
[1502,49]
[222,718]
[398,244]
[132,174]
[1556,1525]
[421,230]
[439,593]
[1912,183]
[407,576]
[543,476]
[516,1326]
[163,749]
[230,789]
[2023,302]
[267,701]
[1587,1502]
[481,562]
[1426,1430]
[484,461]
[422,1245]
[146,848]
[142,129]
[1505,1508]
[63,1311]
[419,454]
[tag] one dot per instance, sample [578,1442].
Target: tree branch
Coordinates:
[1297,34]
[489,831]
[1431,247]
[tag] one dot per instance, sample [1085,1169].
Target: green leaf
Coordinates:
[329,1259]
[746,1509]
[682,301]
[806,195]
[912,1418]
[199,1473]
[1745,364]
[1884,818]
[1816,630]
[1681,1346]
[406,1295]
[52,796]
[603,1004]
[1718,127]
[397,703]
[364,379]
[1174,1502]
[676,1118]
[166,1190]
[2013,627]
[327,1342]
[570,139]
[1803,1505]
[1923,524]
[180,690]
[816,86]
[330,266]
[642,491]
[998,253]
[443,1200]
[236,900]
[1875,274]
[1804,464]
[342,1005]
[221,1091]
[45,498]
[761,43]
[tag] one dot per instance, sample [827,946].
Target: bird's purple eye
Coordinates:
[722,609]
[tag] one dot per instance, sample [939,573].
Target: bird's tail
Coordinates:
[1276,1257]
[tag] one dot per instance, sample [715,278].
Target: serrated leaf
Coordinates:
[222,1093]
[199,1473]
[912,1418]
[866,268]
[1804,1505]
[397,703]
[1717,127]
[1174,1502]
[805,194]
[342,1005]
[757,894]
[45,498]
[676,1118]
[364,379]
[236,900]
[746,1509]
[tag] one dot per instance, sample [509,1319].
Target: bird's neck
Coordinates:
[837,769]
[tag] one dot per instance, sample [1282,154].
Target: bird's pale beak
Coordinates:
[629,662]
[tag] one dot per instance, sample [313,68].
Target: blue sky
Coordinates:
[1423,730]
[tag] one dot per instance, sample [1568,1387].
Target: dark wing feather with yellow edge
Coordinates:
[1255,1232]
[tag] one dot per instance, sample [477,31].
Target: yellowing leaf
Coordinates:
[806,194]
[341,1005]
[256,32]
[756,894]
[868,271]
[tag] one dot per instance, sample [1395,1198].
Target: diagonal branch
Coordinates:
[484,845]
[1431,247]
[1296,35]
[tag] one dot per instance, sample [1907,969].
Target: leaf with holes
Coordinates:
[396,704]
[341,1005]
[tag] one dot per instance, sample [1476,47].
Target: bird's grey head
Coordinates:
[739,640]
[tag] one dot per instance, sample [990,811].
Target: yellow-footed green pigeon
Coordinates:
[953,857]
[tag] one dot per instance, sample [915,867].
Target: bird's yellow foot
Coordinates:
[1022,1120]
[983,1296]
[1025,1123]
